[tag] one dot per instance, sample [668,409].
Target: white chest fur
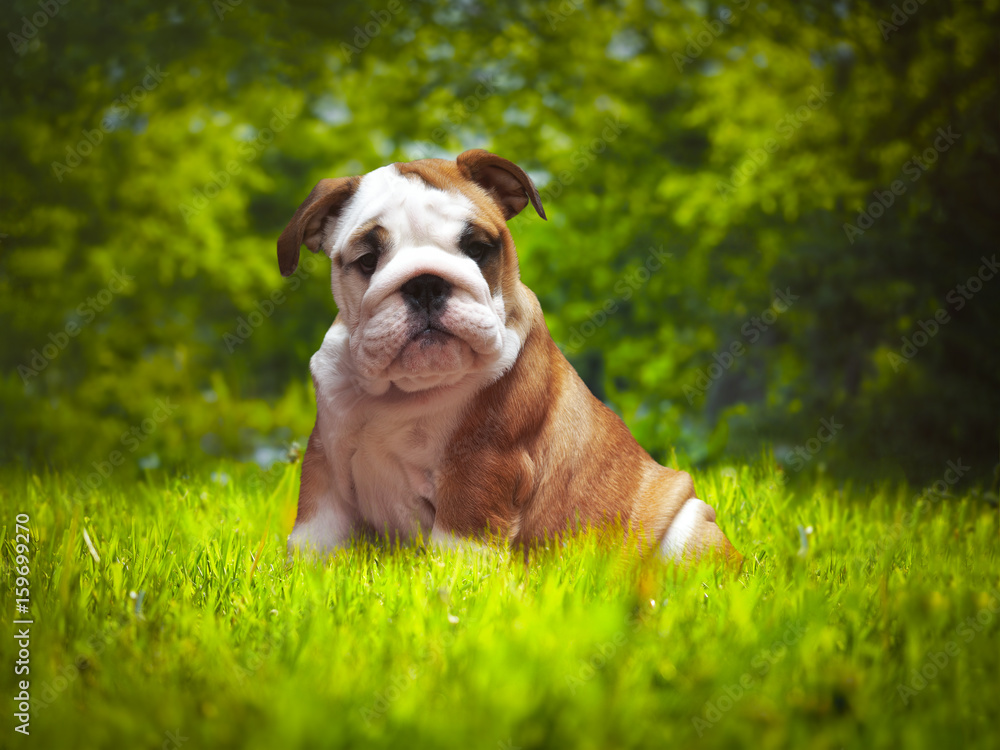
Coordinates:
[383,452]
[394,456]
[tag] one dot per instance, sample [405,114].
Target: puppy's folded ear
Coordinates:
[306,226]
[509,185]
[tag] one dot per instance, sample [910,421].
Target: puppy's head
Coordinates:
[424,269]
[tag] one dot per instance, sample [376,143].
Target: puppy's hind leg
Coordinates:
[694,533]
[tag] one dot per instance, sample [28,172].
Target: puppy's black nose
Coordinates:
[426,292]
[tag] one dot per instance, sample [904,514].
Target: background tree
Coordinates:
[694,159]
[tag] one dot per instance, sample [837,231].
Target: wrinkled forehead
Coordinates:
[412,210]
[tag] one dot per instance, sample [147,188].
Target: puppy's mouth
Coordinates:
[430,332]
[431,351]
[427,342]
[427,330]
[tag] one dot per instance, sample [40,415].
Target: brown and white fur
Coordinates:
[444,408]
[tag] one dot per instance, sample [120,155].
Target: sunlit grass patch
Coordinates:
[862,617]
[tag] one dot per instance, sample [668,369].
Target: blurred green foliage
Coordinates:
[693,159]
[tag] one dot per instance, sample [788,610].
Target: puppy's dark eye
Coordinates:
[367,262]
[478,251]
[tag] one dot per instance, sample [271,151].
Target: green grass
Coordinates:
[182,635]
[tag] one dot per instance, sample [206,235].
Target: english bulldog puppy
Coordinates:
[444,408]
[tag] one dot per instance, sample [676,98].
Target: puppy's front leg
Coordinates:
[324,520]
[483,500]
